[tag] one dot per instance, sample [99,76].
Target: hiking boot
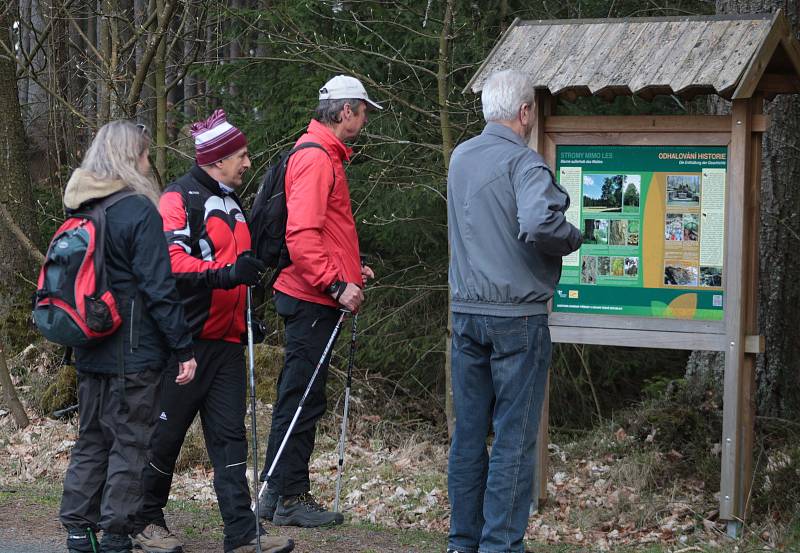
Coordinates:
[267,504]
[115,543]
[157,539]
[82,540]
[303,510]
[269,544]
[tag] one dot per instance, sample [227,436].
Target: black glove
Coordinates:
[247,270]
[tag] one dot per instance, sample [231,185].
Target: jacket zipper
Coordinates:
[236,249]
[133,314]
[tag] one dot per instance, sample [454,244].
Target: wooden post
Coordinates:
[750,301]
[737,364]
[542,108]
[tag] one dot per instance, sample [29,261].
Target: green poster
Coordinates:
[653,223]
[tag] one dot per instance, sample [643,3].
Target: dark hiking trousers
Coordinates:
[308,329]
[218,394]
[102,487]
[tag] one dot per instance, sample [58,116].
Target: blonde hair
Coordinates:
[114,155]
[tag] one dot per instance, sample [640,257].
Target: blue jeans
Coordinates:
[499,372]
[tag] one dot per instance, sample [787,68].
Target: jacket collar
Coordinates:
[207,180]
[496,129]
[325,136]
[84,186]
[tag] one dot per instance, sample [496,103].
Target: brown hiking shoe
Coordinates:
[269,544]
[157,539]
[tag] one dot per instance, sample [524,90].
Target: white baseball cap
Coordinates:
[342,87]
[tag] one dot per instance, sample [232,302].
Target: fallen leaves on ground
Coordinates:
[406,487]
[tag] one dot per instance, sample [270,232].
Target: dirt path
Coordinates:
[29,524]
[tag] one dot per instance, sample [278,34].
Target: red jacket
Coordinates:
[206,230]
[320,230]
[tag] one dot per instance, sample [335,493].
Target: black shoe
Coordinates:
[82,540]
[267,504]
[303,510]
[115,543]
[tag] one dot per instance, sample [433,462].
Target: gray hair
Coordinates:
[114,155]
[504,93]
[329,112]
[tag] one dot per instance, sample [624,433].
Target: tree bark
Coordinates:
[777,377]
[10,393]
[160,123]
[443,88]
[15,185]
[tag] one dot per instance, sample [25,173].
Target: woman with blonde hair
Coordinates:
[119,378]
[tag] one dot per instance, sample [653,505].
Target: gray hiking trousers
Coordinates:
[102,487]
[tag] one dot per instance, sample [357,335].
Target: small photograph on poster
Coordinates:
[617,266]
[603,265]
[711,276]
[602,193]
[691,228]
[679,274]
[631,194]
[633,233]
[632,266]
[683,190]
[617,231]
[595,231]
[589,269]
[673,229]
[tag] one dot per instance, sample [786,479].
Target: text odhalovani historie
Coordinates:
[653,224]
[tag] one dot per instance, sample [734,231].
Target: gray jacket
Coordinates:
[506,225]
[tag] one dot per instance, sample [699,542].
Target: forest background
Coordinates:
[166,63]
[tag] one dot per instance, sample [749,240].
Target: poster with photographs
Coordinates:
[652,223]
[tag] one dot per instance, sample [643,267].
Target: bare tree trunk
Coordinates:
[104,48]
[25,46]
[443,88]
[15,184]
[779,321]
[160,123]
[10,393]
[189,80]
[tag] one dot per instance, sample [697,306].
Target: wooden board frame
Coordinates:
[628,131]
[736,335]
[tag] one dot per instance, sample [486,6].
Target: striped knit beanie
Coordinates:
[215,139]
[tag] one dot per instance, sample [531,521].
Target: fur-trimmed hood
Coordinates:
[84,186]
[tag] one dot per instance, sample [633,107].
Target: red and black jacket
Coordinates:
[206,230]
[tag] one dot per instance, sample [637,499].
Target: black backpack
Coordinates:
[268,214]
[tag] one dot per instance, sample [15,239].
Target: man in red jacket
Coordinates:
[209,243]
[325,276]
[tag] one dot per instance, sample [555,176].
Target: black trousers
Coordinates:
[102,486]
[218,394]
[308,329]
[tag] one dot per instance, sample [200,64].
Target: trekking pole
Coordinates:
[343,436]
[325,352]
[251,356]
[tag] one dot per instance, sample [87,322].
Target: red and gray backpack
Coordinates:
[73,305]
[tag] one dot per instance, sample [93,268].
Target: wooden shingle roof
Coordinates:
[731,56]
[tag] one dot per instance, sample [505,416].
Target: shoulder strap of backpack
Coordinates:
[194,205]
[305,145]
[97,212]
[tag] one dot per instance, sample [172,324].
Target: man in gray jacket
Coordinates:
[507,234]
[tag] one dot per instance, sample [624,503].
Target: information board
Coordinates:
[653,224]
